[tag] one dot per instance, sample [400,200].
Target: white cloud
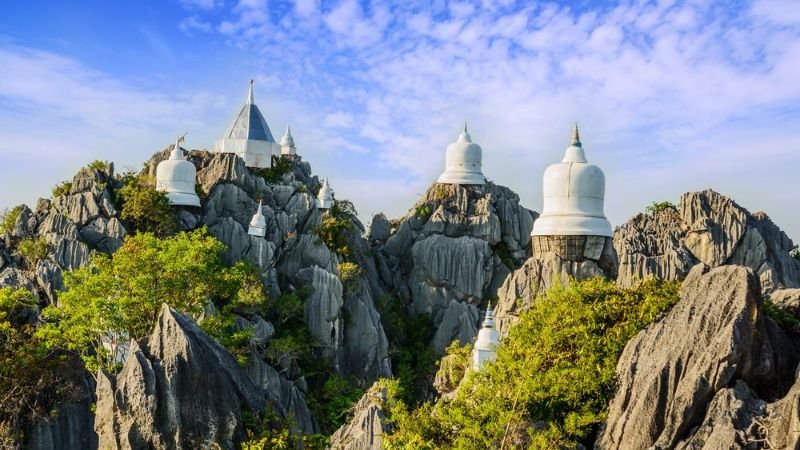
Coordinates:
[202,4]
[193,23]
[339,119]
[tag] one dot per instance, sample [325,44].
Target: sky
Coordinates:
[670,96]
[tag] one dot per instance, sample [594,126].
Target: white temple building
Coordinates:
[572,223]
[249,136]
[258,224]
[177,177]
[463,162]
[486,343]
[287,144]
[325,196]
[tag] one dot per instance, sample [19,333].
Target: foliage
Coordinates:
[336,401]
[657,207]
[146,209]
[783,318]
[274,174]
[556,366]
[440,192]
[118,298]
[275,433]
[336,224]
[33,250]
[349,273]
[503,251]
[413,361]
[97,165]
[8,219]
[457,359]
[795,253]
[423,211]
[32,378]
[61,189]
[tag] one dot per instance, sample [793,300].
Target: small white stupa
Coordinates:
[287,144]
[258,224]
[572,222]
[325,196]
[176,177]
[486,343]
[249,136]
[463,162]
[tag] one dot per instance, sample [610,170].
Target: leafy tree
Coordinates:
[32,378]
[8,219]
[275,433]
[553,378]
[146,209]
[32,250]
[118,298]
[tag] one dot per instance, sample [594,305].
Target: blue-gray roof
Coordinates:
[249,124]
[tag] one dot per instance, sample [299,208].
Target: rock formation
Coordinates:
[179,390]
[365,430]
[693,378]
[451,253]
[710,228]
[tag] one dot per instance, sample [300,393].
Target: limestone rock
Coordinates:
[228,200]
[369,424]
[79,208]
[56,226]
[153,403]
[671,371]
[784,420]
[323,310]
[104,234]
[284,393]
[71,254]
[48,275]
[787,300]
[459,322]
[380,229]
[70,427]
[710,228]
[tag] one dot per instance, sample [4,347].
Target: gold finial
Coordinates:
[576,137]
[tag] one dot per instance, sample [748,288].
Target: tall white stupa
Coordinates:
[463,162]
[572,223]
[177,177]
[249,136]
[258,224]
[325,196]
[287,144]
[485,348]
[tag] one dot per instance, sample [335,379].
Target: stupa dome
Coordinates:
[249,136]
[287,143]
[258,224]
[574,193]
[176,177]
[325,196]
[463,162]
[486,343]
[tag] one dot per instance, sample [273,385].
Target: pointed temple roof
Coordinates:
[249,123]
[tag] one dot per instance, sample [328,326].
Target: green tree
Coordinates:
[32,250]
[657,207]
[146,209]
[553,378]
[118,298]
[8,219]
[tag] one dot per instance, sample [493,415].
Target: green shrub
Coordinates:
[503,251]
[349,273]
[274,174]
[794,253]
[271,432]
[33,250]
[336,224]
[657,207]
[61,189]
[145,209]
[423,211]
[556,367]
[785,319]
[8,219]
[98,165]
[121,295]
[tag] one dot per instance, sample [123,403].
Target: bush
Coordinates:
[274,174]
[97,165]
[118,298]
[503,251]
[61,189]
[336,224]
[556,367]
[33,250]
[657,207]
[423,211]
[275,433]
[794,253]
[349,273]
[784,319]
[8,219]
[145,209]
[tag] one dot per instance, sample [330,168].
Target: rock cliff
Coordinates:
[710,228]
[451,253]
[365,430]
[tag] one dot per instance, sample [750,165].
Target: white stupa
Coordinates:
[176,177]
[249,136]
[463,162]
[325,196]
[572,222]
[486,343]
[258,224]
[287,144]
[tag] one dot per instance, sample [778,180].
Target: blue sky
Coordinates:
[671,96]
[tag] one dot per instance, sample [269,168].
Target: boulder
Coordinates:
[153,403]
[104,234]
[670,373]
[71,254]
[370,422]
